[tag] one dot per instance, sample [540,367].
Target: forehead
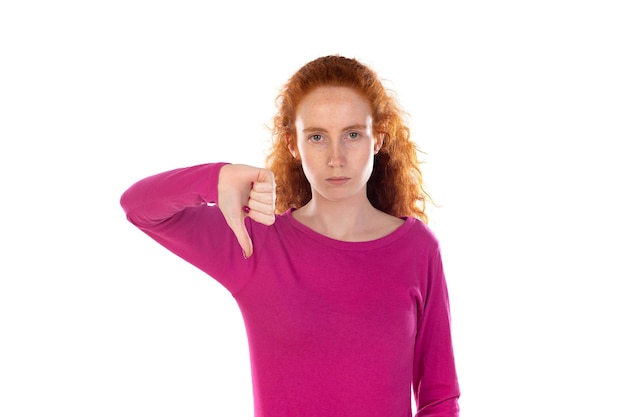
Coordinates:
[331,102]
[332,94]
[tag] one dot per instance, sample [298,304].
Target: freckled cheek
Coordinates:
[312,166]
[365,155]
[314,159]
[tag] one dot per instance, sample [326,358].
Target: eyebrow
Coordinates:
[320,129]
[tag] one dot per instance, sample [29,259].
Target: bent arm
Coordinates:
[178,209]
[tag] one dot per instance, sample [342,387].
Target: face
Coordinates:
[335,142]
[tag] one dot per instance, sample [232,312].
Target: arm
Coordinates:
[434,373]
[156,199]
[178,209]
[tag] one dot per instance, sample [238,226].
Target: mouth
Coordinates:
[337,180]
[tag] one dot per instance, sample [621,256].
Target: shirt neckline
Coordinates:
[341,244]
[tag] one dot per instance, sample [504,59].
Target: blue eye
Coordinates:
[315,138]
[353,135]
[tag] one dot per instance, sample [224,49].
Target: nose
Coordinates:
[336,157]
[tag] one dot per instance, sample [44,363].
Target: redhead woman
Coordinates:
[326,251]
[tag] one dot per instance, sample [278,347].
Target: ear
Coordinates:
[293,148]
[378,142]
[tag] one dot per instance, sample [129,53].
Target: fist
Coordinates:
[243,191]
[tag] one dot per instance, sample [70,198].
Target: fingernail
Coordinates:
[243,252]
[246,209]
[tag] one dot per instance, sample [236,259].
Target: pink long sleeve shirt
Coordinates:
[335,329]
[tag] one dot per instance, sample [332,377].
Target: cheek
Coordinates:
[310,163]
[366,155]
[312,155]
[368,164]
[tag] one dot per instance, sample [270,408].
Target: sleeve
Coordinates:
[178,209]
[435,381]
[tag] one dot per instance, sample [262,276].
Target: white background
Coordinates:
[519,106]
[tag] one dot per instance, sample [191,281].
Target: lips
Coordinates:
[337,180]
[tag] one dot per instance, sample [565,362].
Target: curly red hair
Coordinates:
[395,186]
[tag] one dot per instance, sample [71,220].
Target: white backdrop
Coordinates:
[520,107]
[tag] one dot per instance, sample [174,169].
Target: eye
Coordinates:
[354,135]
[315,138]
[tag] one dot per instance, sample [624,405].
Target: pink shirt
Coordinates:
[335,329]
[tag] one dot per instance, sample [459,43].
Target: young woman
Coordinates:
[326,251]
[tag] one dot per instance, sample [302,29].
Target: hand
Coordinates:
[243,191]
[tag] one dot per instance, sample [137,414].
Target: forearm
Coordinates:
[435,378]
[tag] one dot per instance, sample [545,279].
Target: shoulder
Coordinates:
[421,234]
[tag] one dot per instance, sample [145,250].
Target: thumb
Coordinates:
[238,227]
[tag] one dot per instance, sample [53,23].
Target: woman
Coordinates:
[342,292]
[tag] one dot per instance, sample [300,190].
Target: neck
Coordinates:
[348,221]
